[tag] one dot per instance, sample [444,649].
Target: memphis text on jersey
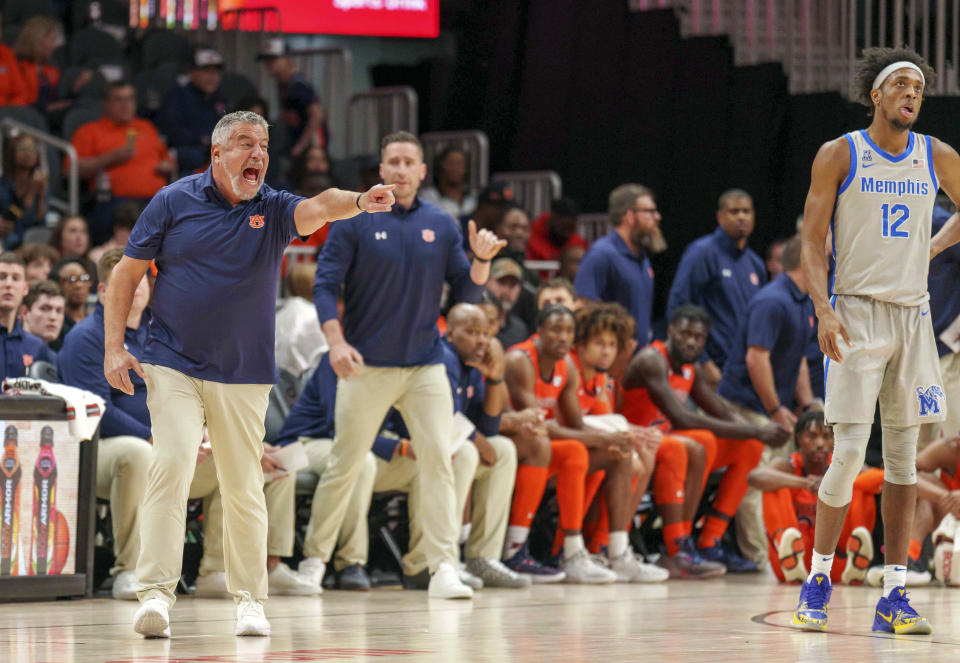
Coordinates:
[899,188]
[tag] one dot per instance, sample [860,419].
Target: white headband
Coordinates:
[890,68]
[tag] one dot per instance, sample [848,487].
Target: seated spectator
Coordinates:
[124,219]
[301,112]
[657,385]
[492,203]
[570,258]
[486,463]
[490,305]
[557,291]
[540,374]
[19,348]
[299,340]
[37,41]
[39,259]
[71,237]
[124,449]
[451,190]
[42,313]
[189,112]
[617,267]
[75,280]
[310,173]
[790,487]
[515,223]
[553,231]
[505,284]
[13,91]
[23,187]
[123,151]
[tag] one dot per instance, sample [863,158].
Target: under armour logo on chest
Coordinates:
[380,235]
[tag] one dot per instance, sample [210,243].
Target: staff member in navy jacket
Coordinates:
[123,453]
[218,239]
[20,349]
[720,273]
[617,267]
[392,268]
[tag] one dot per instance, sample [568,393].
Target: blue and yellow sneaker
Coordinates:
[895,615]
[811,613]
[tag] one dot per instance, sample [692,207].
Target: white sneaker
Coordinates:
[152,619]
[915,578]
[628,568]
[582,570]
[250,617]
[125,586]
[211,586]
[446,584]
[790,552]
[859,556]
[467,578]
[311,571]
[282,581]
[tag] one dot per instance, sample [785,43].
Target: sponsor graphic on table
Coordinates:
[44,499]
[10,504]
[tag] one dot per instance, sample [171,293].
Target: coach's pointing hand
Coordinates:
[378,199]
[117,366]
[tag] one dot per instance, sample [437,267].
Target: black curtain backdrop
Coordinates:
[606,96]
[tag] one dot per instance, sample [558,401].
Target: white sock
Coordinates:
[516,537]
[618,544]
[894,576]
[464,533]
[572,545]
[820,563]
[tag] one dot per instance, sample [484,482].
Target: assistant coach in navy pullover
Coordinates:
[392,268]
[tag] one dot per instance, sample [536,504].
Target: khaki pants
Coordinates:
[353,541]
[493,492]
[950,373]
[750,530]
[179,406]
[122,464]
[422,395]
[280,495]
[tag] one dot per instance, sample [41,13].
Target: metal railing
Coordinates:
[474,144]
[72,204]
[593,226]
[818,41]
[533,190]
[371,114]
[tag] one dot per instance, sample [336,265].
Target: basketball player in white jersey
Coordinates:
[875,188]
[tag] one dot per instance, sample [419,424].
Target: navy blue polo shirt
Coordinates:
[780,319]
[467,387]
[391,267]
[312,414]
[716,275]
[218,267]
[80,364]
[187,118]
[942,283]
[21,349]
[611,272]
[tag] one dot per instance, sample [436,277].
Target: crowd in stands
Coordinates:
[574,417]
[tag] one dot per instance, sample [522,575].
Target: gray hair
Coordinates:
[622,199]
[221,132]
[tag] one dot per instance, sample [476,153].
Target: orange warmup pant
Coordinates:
[569,462]
[738,456]
[780,512]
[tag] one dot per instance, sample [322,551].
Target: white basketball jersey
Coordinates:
[882,222]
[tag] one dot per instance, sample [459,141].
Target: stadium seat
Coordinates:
[91,46]
[236,86]
[26,114]
[152,86]
[78,115]
[16,12]
[165,46]
[92,90]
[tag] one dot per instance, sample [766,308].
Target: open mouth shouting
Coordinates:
[251,174]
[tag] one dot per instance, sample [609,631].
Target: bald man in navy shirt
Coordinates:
[391,269]
[217,239]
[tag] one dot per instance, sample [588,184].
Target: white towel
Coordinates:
[84,408]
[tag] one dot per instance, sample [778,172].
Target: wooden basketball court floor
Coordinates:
[728,619]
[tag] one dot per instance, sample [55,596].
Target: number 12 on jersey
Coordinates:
[891,227]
